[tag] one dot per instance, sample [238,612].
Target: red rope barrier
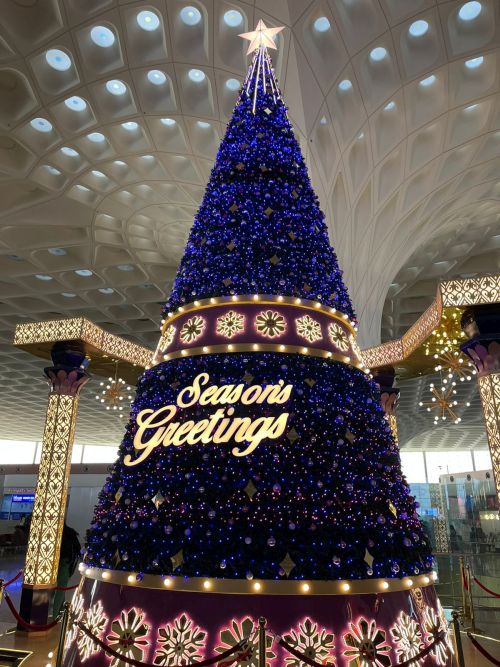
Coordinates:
[66,588]
[483,651]
[11,581]
[34,627]
[137,663]
[309,661]
[490,592]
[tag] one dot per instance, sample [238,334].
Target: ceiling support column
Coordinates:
[66,378]
[389,395]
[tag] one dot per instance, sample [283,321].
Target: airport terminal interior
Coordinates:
[250,333]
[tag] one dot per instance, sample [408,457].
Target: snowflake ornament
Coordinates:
[248,656]
[95,620]
[182,642]
[366,645]
[167,338]
[313,642]
[270,323]
[128,636]
[434,625]
[231,324]
[76,612]
[338,337]
[308,328]
[192,329]
[408,638]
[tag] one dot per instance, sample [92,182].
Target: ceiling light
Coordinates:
[43,276]
[52,170]
[470,10]
[96,137]
[190,15]
[58,60]
[102,36]
[130,125]
[125,267]
[232,84]
[83,188]
[75,103]
[390,106]
[378,53]
[418,28]
[233,18]
[471,107]
[428,81]
[202,124]
[148,20]
[323,121]
[169,122]
[474,62]
[70,152]
[116,87]
[106,290]
[148,157]
[98,174]
[345,84]
[156,77]
[58,252]
[322,24]
[196,75]
[68,295]
[85,273]
[119,163]
[41,125]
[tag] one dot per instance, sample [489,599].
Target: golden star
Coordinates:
[261,36]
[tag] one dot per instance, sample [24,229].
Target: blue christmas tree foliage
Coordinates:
[327,500]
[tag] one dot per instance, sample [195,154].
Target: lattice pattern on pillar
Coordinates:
[471,291]
[42,557]
[393,423]
[489,389]
[442,544]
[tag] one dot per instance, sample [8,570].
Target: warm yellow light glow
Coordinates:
[207,584]
[346,587]
[305,588]
[130,578]
[167,582]
[426,580]
[384,585]
[257,586]
[105,575]
[409,582]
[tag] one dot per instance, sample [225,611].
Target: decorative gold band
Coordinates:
[258,586]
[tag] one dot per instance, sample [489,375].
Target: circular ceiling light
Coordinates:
[85,273]
[102,36]
[70,152]
[323,120]
[190,15]
[41,125]
[148,157]
[120,163]
[345,85]
[43,276]
[232,84]
[428,81]
[169,122]
[470,10]
[83,188]
[52,170]
[116,87]
[474,62]
[378,53]
[202,124]
[418,28]
[58,60]
[98,174]
[76,103]
[106,290]
[125,267]
[196,75]
[68,295]
[57,252]
[156,77]
[130,125]
[233,18]
[148,20]
[390,106]
[321,24]
[96,137]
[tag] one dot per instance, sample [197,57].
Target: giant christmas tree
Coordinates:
[258,473]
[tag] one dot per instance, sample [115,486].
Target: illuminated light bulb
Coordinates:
[305,588]
[427,580]
[257,586]
[434,576]
[180,309]
[298,301]
[167,582]
[166,357]
[409,582]
[212,300]
[183,352]
[346,587]
[105,575]
[207,584]
[305,350]
[317,304]
[88,572]
[282,348]
[131,578]
[384,585]
[50,654]
[280,298]
[196,303]
[234,297]
[255,346]
[255,297]
[205,348]
[229,347]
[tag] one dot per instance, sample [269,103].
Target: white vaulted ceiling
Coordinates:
[110,120]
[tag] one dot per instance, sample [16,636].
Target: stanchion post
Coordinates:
[457,639]
[471,601]
[262,642]
[62,636]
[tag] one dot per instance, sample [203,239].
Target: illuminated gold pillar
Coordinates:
[389,396]
[482,325]
[66,379]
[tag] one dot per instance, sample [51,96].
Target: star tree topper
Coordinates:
[261,36]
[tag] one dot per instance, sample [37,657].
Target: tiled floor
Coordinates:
[41,646]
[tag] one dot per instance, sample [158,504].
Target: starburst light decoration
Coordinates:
[366,645]
[442,403]
[308,328]
[115,394]
[230,324]
[182,642]
[338,336]
[270,323]
[314,642]
[451,364]
[193,329]
[447,335]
